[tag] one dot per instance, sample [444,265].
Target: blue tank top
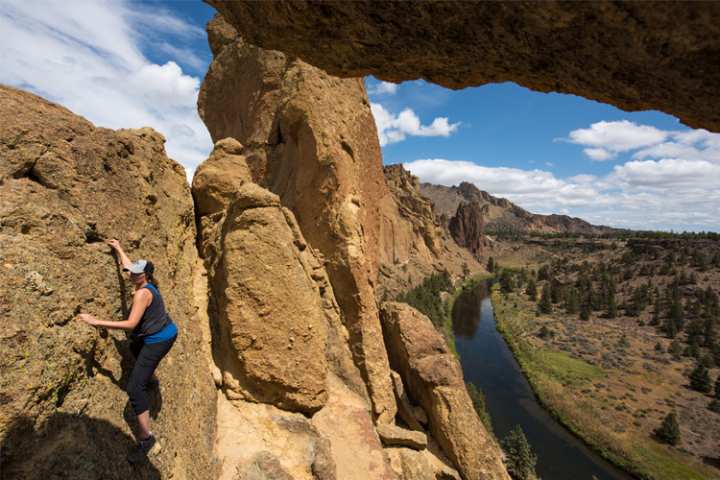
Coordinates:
[154,319]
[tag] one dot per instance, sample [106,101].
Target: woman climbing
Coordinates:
[152,335]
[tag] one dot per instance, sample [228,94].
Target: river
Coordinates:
[488,363]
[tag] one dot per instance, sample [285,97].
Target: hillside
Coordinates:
[503,216]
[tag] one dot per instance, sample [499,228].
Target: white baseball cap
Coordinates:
[140,266]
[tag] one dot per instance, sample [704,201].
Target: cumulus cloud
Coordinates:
[598,154]
[395,128]
[619,136]
[88,56]
[679,193]
[383,88]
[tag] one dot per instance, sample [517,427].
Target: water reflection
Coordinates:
[489,364]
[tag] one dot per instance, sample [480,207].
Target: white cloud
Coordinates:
[88,57]
[383,88]
[395,128]
[598,154]
[642,194]
[606,139]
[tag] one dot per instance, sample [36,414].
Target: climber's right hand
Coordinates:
[114,243]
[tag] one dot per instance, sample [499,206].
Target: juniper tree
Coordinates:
[520,458]
[572,303]
[506,281]
[491,265]
[675,349]
[700,379]
[545,305]
[585,310]
[669,431]
[531,290]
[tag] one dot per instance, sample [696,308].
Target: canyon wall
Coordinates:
[659,55]
[413,241]
[500,214]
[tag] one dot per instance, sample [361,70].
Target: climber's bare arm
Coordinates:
[140,302]
[124,259]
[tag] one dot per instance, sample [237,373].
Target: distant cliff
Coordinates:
[501,215]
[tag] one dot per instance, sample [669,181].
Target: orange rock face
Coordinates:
[311,139]
[434,380]
[65,186]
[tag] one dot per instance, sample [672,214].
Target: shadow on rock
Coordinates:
[69,446]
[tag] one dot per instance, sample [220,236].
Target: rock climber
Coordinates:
[152,335]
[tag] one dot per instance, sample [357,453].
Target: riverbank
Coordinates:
[575,392]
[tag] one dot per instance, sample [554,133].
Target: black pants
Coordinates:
[147,358]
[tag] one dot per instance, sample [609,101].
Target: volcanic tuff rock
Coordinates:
[312,137]
[468,225]
[413,242]
[656,55]
[65,186]
[500,214]
[434,378]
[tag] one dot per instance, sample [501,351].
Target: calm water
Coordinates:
[489,364]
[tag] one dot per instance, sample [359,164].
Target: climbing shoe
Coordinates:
[141,449]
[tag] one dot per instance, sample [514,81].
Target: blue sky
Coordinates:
[130,64]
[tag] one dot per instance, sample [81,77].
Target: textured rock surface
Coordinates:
[500,214]
[64,187]
[467,226]
[311,139]
[346,422]
[271,325]
[434,379]
[261,441]
[267,288]
[413,242]
[634,55]
[395,436]
[411,464]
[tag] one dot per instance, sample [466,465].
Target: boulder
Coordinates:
[271,336]
[393,436]
[434,379]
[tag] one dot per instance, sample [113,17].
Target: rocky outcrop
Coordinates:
[311,139]
[500,215]
[413,242]
[634,55]
[468,225]
[434,379]
[269,313]
[278,339]
[65,186]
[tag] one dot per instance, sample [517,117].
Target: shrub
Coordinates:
[669,431]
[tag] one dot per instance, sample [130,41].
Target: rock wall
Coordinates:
[65,186]
[434,379]
[659,55]
[292,236]
[413,242]
[500,214]
[467,226]
[311,140]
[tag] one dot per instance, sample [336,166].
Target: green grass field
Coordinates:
[556,377]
